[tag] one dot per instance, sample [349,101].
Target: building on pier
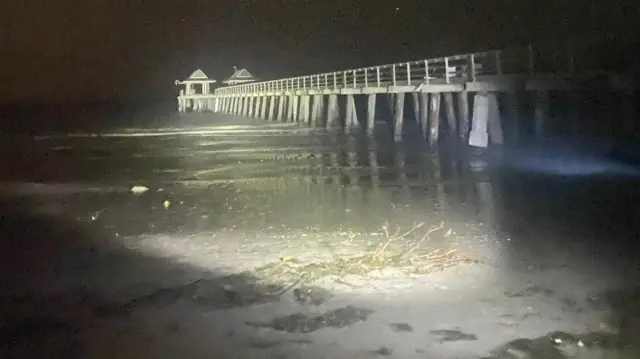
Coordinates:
[240,76]
[197,91]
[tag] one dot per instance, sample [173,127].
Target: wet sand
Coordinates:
[174,271]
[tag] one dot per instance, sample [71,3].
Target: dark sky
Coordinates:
[73,50]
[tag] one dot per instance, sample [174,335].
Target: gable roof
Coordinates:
[241,75]
[198,75]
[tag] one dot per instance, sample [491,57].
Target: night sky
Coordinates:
[72,50]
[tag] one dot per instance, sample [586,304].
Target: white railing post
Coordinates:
[408,74]
[335,81]
[426,71]
[472,60]
[446,69]
[344,79]
[326,82]
[393,74]
[366,77]
[378,76]
[354,78]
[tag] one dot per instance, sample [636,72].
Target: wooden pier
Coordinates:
[460,95]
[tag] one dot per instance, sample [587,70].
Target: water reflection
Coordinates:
[355,180]
[322,180]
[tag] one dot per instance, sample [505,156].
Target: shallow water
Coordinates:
[259,181]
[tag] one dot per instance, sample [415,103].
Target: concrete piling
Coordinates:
[434,119]
[289,117]
[424,114]
[304,109]
[244,106]
[272,107]
[263,107]
[316,110]
[351,118]
[416,106]
[251,106]
[332,111]
[281,103]
[398,117]
[451,114]
[371,114]
[255,110]
[295,101]
[479,135]
[463,116]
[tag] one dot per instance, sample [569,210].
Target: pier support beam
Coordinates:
[304,109]
[295,103]
[281,103]
[424,114]
[541,112]
[316,111]
[257,107]
[463,115]
[434,119]
[252,106]
[263,107]
[333,114]
[416,106]
[272,107]
[371,114]
[398,117]
[451,114]
[245,106]
[486,121]
[289,109]
[242,105]
[351,115]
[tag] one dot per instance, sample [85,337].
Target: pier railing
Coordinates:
[443,70]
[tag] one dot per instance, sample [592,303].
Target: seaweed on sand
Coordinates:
[413,259]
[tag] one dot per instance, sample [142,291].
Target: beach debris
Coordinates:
[405,255]
[138,190]
[166,204]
